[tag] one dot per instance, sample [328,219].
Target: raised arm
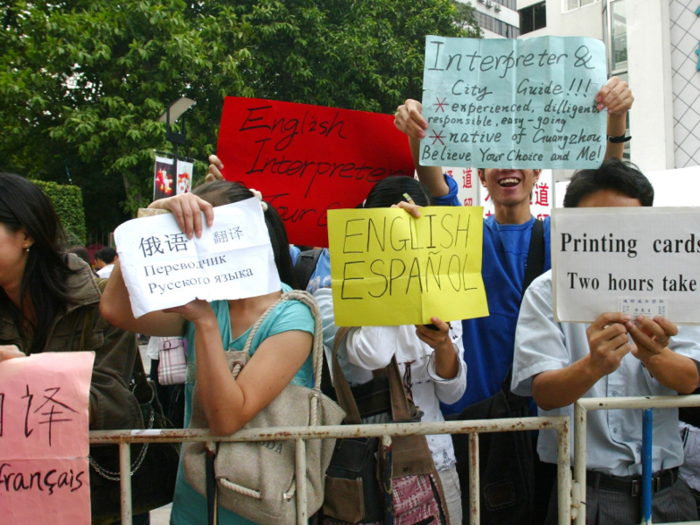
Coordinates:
[617,97]
[115,306]
[409,120]
[230,403]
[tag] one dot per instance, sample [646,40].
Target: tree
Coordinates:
[83,81]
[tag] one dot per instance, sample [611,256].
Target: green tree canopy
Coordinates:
[84,81]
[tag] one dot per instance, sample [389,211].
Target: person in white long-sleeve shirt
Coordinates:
[430,361]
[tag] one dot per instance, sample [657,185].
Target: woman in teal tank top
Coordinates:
[280,351]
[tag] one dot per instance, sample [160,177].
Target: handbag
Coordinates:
[506,459]
[257,480]
[172,357]
[154,465]
[367,482]
[153,469]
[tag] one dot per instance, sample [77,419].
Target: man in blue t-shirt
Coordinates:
[488,341]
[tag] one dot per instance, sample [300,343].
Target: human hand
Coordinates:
[616,96]
[608,342]
[409,120]
[651,336]
[438,339]
[215,167]
[10,352]
[196,311]
[410,207]
[187,209]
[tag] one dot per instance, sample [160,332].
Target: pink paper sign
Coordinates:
[44,419]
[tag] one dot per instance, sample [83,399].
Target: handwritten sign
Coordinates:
[389,268]
[635,260]
[505,103]
[44,471]
[232,259]
[307,159]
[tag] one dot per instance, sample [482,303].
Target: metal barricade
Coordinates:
[124,438]
[581,409]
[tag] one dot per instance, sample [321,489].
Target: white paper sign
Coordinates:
[638,260]
[162,268]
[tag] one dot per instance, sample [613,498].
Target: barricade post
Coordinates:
[559,423]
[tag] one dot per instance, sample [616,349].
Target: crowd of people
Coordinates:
[46,293]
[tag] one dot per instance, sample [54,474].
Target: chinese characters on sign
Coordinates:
[231,260]
[44,472]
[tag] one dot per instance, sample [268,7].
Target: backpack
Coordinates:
[305,266]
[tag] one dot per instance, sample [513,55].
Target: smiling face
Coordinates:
[510,190]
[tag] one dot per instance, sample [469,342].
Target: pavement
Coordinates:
[159,516]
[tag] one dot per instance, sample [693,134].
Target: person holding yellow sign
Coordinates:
[429,357]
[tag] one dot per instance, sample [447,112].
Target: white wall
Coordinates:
[649,65]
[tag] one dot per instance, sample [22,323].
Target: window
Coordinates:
[570,5]
[533,17]
[619,36]
[496,26]
[510,4]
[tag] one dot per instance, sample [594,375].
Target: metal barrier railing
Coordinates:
[581,409]
[124,438]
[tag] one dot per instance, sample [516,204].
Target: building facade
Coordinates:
[654,45]
[497,18]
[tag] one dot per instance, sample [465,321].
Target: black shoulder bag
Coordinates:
[506,459]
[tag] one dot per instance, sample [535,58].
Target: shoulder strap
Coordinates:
[534,268]
[400,409]
[535,256]
[307,299]
[305,266]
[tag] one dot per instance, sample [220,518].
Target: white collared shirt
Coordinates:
[614,436]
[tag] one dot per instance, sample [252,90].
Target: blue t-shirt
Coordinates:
[190,507]
[489,341]
[451,199]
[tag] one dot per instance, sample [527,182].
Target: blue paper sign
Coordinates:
[503,103]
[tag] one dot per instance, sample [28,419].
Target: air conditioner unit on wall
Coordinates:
[488,3]
[497,7]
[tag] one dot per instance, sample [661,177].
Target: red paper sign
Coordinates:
[308,159]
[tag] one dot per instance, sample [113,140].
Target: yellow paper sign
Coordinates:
[389,268]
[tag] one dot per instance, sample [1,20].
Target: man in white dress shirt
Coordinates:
[617,355]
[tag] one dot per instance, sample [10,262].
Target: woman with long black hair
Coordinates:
[47,297]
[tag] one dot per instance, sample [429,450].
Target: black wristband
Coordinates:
[619,140]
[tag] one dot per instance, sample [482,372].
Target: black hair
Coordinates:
[24,206]
[221,192]
[613,174]
[390,191]
[106,255]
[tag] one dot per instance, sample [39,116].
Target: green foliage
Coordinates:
[68,202]
[83,82]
